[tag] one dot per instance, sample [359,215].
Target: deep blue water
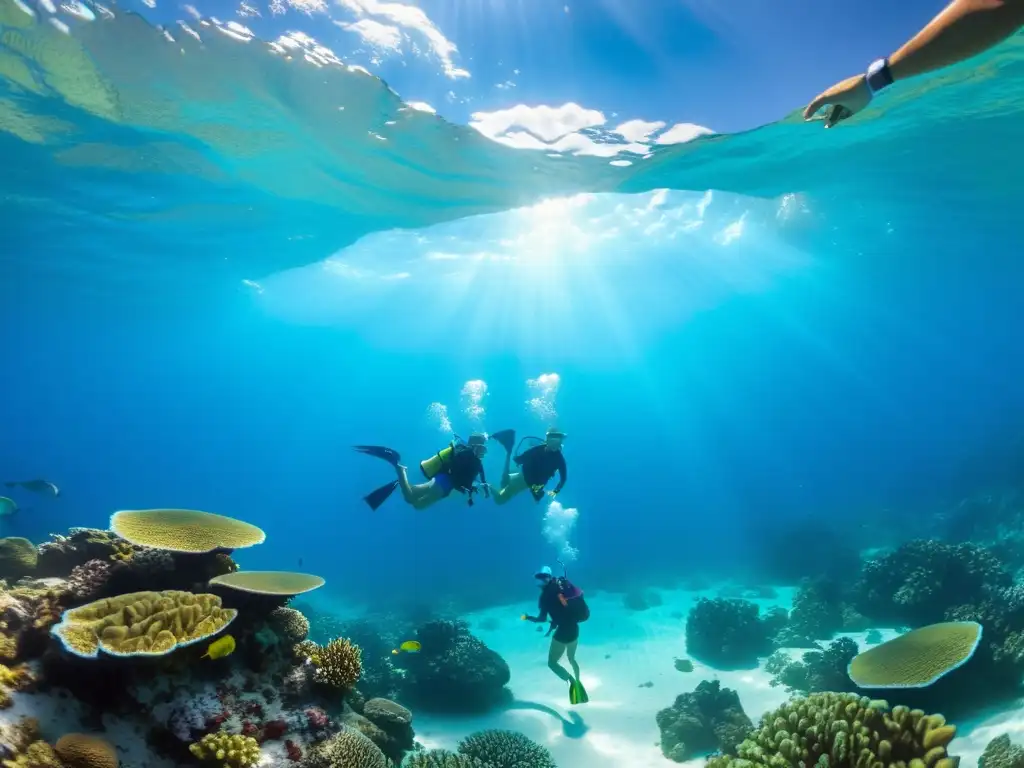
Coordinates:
[852,362]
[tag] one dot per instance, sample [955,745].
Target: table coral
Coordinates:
[843,731]
[918,658]
[278,583]
[227,750]
[184,530]
[142,623]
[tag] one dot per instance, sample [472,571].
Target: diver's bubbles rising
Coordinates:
[543,393]
[559,522]
[437,416]
[472,399]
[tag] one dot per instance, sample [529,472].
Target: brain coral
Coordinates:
[843,730]
[338,664]
[506,749]
[18,557]
[76,750]
[347,749]
[282,583]
[184,530]
[289,624]
[142,623]
[227,750]
[918,658]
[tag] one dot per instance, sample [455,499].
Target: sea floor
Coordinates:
[620,652]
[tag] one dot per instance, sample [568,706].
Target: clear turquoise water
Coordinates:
[832,332]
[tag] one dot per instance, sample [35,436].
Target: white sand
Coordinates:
[617,729]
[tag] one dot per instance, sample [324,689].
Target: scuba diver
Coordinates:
[451,469]
[537,465]
[563,602]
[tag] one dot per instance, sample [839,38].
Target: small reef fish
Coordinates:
[40,486]
[7,507]
[684,665]
[409,646]
[220,648]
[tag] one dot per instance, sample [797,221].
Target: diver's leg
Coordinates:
[433,492]
[506,471]
[516,484]
[554,654]
[570,652]
[411,493]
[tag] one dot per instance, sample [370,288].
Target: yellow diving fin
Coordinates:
[577,693]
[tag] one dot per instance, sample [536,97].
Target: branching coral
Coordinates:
[711,718]
[726,633]
[442,758]
[842,729]
[77,750]
[818,671]
[338,664]
[227,750]
[506,749]
[142,623]
[87,581]
[1002,753]
[817,614]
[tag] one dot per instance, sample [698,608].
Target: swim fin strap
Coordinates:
[577,693]
[379,451]
[379,496]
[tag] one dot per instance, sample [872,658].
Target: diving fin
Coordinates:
[507,438]
[389,455]
[577,693]
[379,496]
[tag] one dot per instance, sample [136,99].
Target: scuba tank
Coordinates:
[436,464]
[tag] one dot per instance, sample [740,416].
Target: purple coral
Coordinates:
[87,580]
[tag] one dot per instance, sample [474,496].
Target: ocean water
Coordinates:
[211,288]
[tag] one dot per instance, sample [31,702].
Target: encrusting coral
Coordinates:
[338,664]
[843,729]
[77,750]
[184,530]
[227,750]
[142,623]
[505,749]
[278,583]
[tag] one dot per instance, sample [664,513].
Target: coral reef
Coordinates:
[455,671]
[817,614]
[348,748]
[921,581]
[142,623]
[727,633]
[227,750]
[505,749]
[1002,753]
[184,530]
[818,671]
[843,729]
[280,583]
[442,758]
[709,719]
[78,750]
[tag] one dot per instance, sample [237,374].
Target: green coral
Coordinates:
[442,758]
[843,730]
[506,749]
[18,557]
[227,750]
[346,749]
[1001,753]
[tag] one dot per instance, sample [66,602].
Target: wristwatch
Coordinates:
[878,76]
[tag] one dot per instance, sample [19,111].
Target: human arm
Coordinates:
[563,475]
[964,29]
[542,612]
[483,481]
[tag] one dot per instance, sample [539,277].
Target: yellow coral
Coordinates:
[338,664]
[78,750]
[8,647]
[304,649]
[918,658]
[142,623]
[38,754]
[279,583]
[184,530]
[227,750]
[123,551]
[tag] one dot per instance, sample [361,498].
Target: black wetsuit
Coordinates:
[562,618]
[539,465]
[464,469]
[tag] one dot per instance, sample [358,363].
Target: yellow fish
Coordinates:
[409,646]
[220,648]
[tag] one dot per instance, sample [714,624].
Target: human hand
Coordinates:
[847,98]
[552,494]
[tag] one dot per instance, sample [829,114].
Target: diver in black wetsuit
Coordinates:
[454,468]
[562,603]
[537,465]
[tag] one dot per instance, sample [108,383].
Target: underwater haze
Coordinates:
[225,262]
